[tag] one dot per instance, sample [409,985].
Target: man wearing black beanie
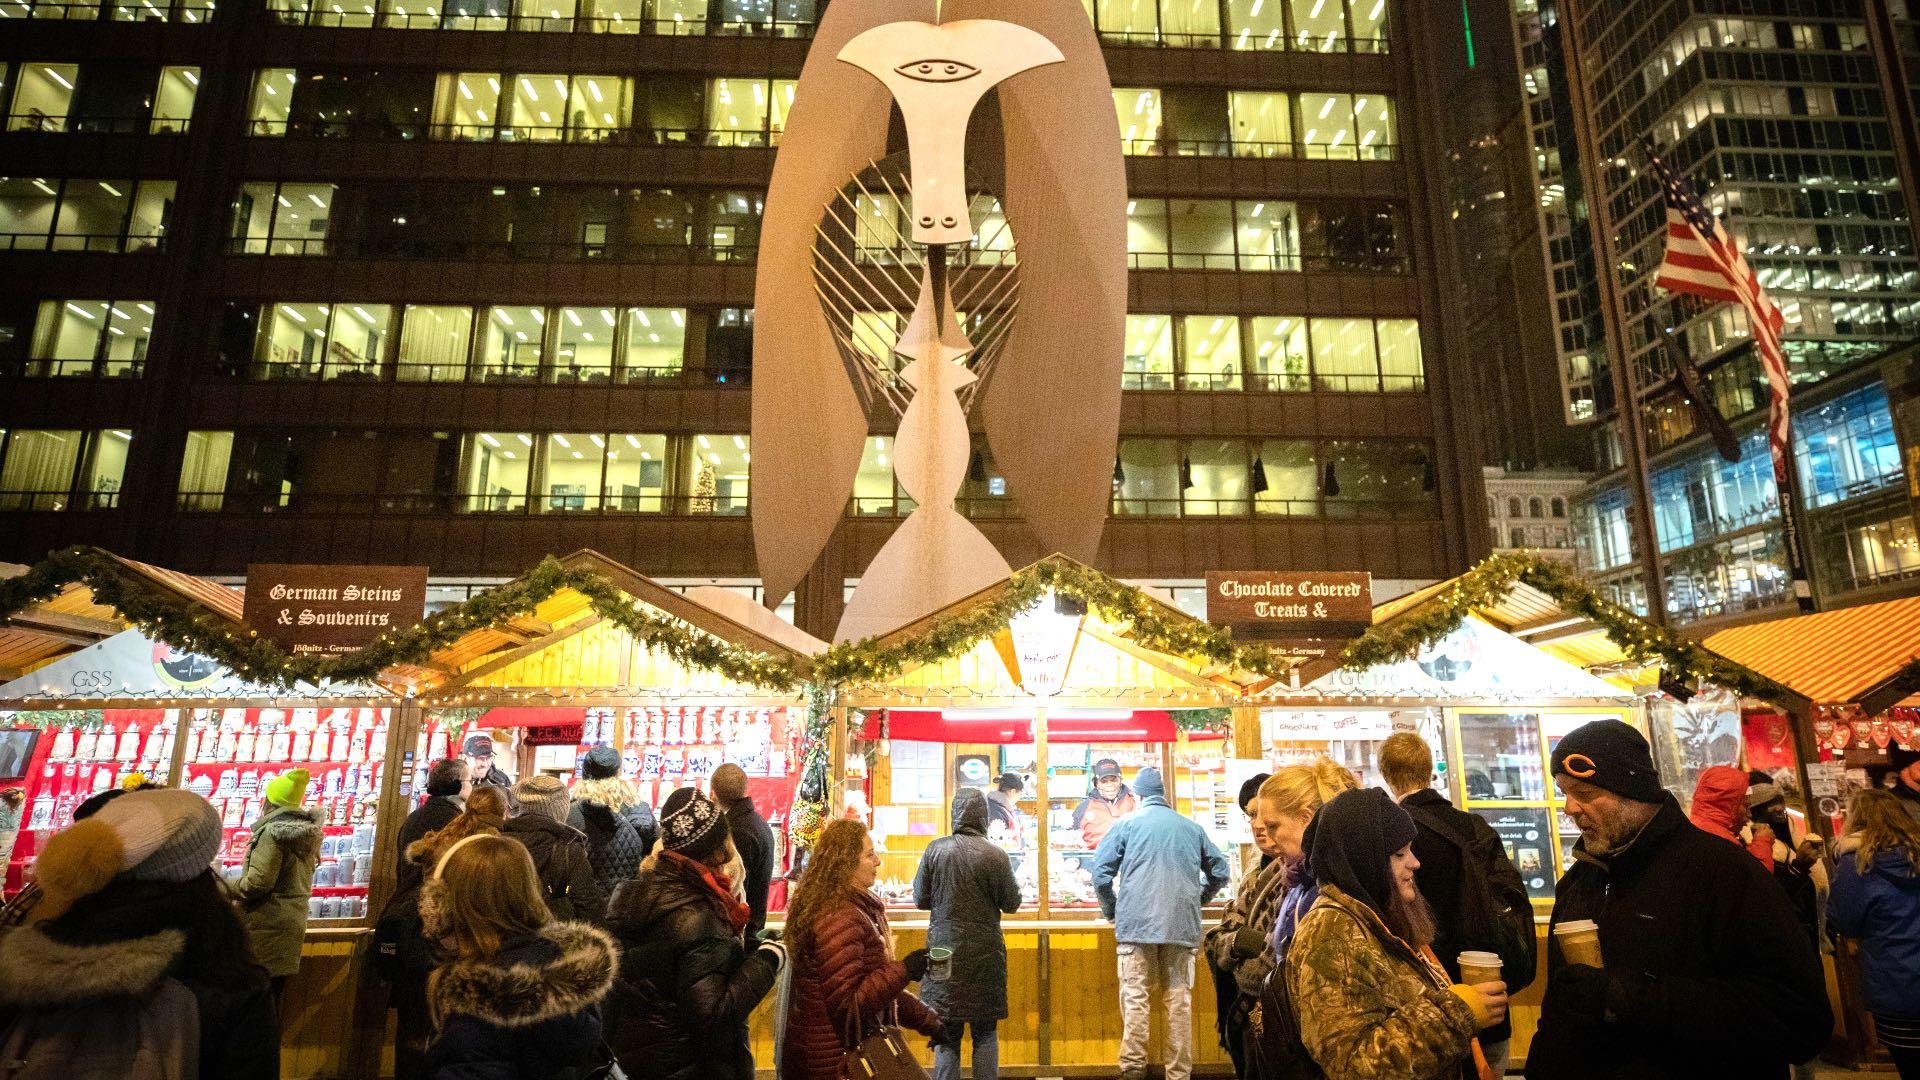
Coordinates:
[1706,972]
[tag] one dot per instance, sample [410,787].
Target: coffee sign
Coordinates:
[1272,605]
[329,610]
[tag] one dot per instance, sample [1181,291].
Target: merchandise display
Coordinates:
[232,754]
[72,762]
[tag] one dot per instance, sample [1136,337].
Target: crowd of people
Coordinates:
[539,931]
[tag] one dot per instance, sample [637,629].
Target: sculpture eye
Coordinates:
[937,70]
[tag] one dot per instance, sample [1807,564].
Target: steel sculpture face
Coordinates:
[1047,382]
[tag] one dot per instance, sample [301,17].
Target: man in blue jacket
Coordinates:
[1153,871]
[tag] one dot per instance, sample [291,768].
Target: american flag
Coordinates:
[1703,259]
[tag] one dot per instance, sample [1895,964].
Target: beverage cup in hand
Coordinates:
[1479,967]
[941,962]
[1580,942]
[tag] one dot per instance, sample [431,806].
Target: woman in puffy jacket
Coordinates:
[1876,900]
[846,983]
[520,997]
[688,982]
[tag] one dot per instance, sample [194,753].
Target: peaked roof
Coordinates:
[75,619]
[1830,657]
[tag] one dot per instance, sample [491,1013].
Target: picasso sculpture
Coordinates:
[901,237]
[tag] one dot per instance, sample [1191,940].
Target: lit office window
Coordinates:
[715,474]
[1345,355]
[466,105]
[106,468]
[539,107]
[203,470]
[1211,354]
[636,474]
[1215,478]
[37,468]
[571,480]
[498,465]
[1369,25]
[433,343]
[282,219]
[1139,120]
[615,16]
[1374,128]
[598,106]
[272,101]
[1128,20]
[1401,366]
[1284,478]
[1190,22]
[679,16]
[552,16]
[747,112]
[656,342]
[875,333]
[1146,478]
[874,491]
[1202,233]
[1319,25]
[1262,123]
[1281,360]
[1147,233]
[27,206]
[1257,24]
[173,100]
[1149,358]
[1269,235]
[88,337]
[584,344]
[475,14]
[1326,122]
[42,97]
[514,344]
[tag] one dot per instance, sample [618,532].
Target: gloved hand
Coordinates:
[1576,996]
[917,963]
[776,950]
[1248,943]
[939,1039]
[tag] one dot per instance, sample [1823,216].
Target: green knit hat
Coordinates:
[289,789]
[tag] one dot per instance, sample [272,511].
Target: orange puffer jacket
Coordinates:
[845,983]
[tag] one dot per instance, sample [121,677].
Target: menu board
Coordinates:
[1526,834]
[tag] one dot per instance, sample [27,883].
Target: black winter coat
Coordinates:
[1443,831]
[614,846]
[1707,972]
[753,839]
[966,881]
[687,986]
[430,816]
[566,872]
[530,1013]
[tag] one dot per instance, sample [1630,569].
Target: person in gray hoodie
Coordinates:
[966,881]
[1153,872]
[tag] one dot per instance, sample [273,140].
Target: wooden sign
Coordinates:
[329,610]
[1285,605]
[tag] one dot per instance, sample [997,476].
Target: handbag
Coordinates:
[1275,1028]
[882,1055]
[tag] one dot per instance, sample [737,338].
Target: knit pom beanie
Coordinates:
[161,835]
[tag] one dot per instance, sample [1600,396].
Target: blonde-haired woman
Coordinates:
[1288,801]
[1876,900]
[520,994]
[846,982]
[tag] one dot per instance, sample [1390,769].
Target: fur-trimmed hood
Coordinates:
[37,971]
[568,967]
[297,831]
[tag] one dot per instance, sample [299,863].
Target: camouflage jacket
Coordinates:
[1368,1006]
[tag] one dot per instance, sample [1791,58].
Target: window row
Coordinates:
[58,470]
[186,11]
[106,338]
[525,472]
[123,96]
[508,105]
[1212,477]
[404,219]
[1305,25]
[1286,353]
[733,18]
[438,343]
[1256,124]
[44,213]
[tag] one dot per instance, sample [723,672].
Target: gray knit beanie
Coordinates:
[544,795]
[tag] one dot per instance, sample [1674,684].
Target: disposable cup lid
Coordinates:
[1480,959]
[940,953]
[1574,926]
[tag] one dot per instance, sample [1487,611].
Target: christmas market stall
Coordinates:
[1050,691]
[96,704]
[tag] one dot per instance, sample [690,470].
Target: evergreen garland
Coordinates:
[1491,581]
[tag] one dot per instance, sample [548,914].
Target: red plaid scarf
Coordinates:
[736,912]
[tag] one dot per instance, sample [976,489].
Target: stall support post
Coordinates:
[1248,742]
[1044,852]
[177,766]
[836,762]
[369,1033]
[1806,750]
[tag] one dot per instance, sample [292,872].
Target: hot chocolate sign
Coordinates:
[1279,605]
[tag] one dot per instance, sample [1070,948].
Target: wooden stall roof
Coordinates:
[1154,666]
[569,612]
[1530,615]
[1831,657]
[73,620]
